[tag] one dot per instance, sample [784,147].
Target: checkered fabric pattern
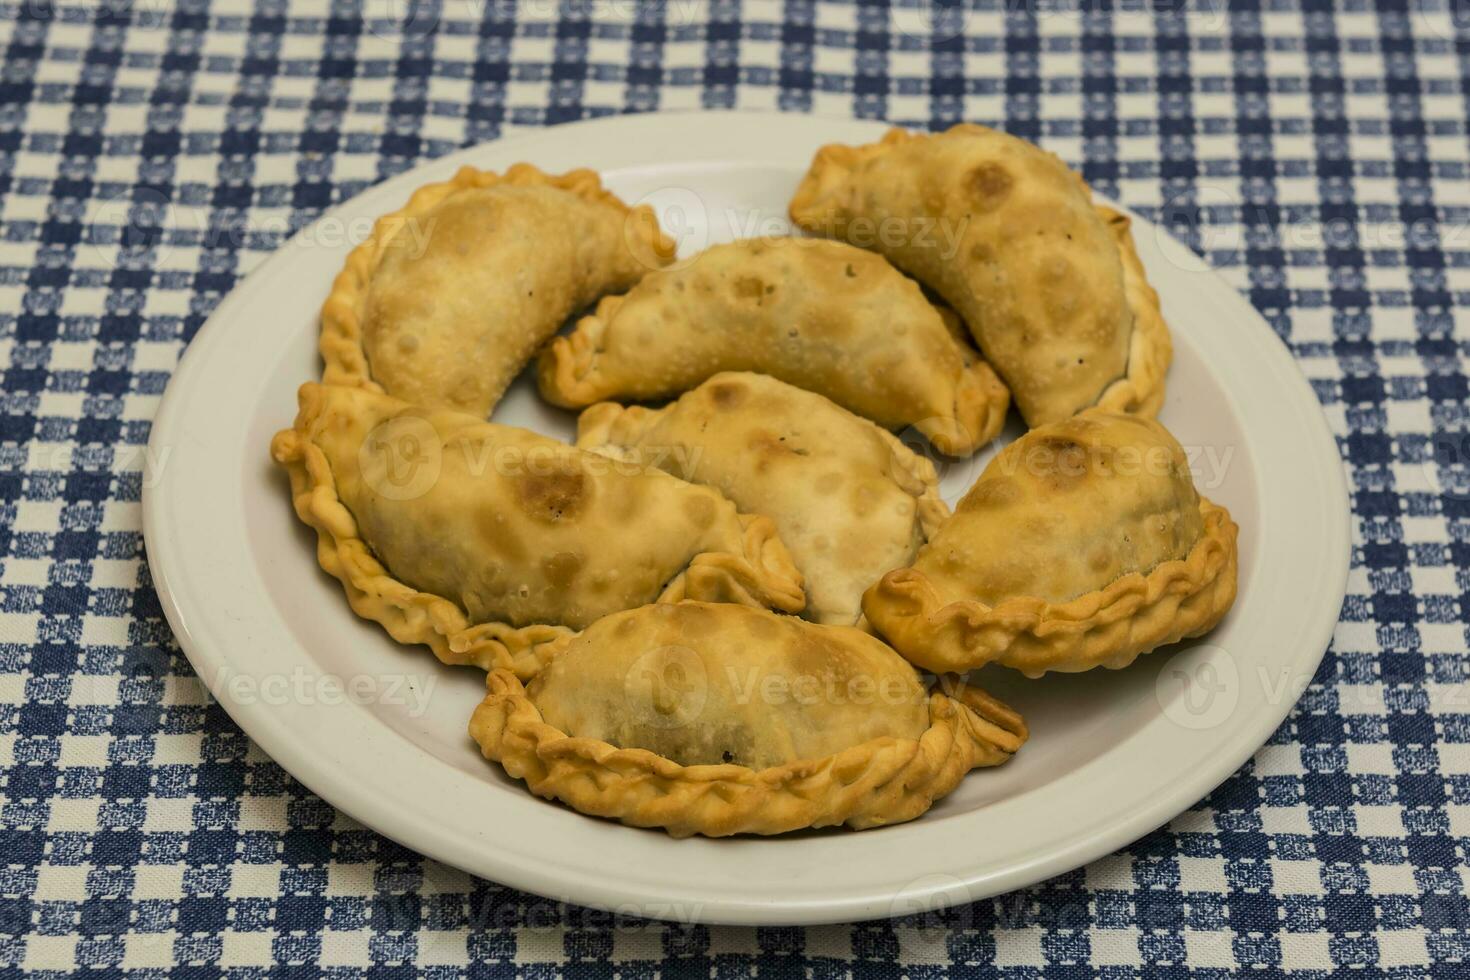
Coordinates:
[153,152]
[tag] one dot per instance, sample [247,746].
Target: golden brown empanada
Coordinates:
[476,538]
[718,719]
[451,295]
[820,315]
[1083,544]
[848,499]
[1048,284]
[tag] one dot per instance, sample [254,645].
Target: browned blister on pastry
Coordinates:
[477,539]
[719,719]
[453,293]
[1083,544]
[1047,283]
[820,315]
[848,498]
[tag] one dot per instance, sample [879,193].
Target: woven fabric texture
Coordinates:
[153,152]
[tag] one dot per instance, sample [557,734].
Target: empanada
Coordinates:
[818,314]
[451,295]
[1048,284]
[1083,544]
[476,538]
[848,499]
[718,719]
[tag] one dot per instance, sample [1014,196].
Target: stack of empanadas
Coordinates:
[711,614]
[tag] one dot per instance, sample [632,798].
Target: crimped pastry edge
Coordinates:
[916,476]
[981,398]
[881,781]
[1150,350]
[829,167]
[1110,627]
[981,402]
[764,576]
[408,615]
[344,358]
[566,369]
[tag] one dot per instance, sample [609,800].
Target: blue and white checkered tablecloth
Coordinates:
[153,152]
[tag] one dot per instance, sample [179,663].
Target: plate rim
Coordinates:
[258,721]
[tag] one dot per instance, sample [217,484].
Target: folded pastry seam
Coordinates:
[566,372]
[1110,627]
[963,178]
[763,575]
[409,616]
[881,781]
[768,446]
[917,476]
[756,569]
[1150,349]
[980,406]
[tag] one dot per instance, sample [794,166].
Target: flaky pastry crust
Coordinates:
[818,314]
[1041,276]
[473,299]
[695,546]
[848,498]
[1110,627]
[1083,544]
[875,782]
[408,615]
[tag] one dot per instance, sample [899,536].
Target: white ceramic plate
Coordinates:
[379,730]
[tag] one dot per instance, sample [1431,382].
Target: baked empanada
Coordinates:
[1048,284]
[1083,544]
[476,538]
[818,314]
[718,719]
[848,499]
[451,295]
